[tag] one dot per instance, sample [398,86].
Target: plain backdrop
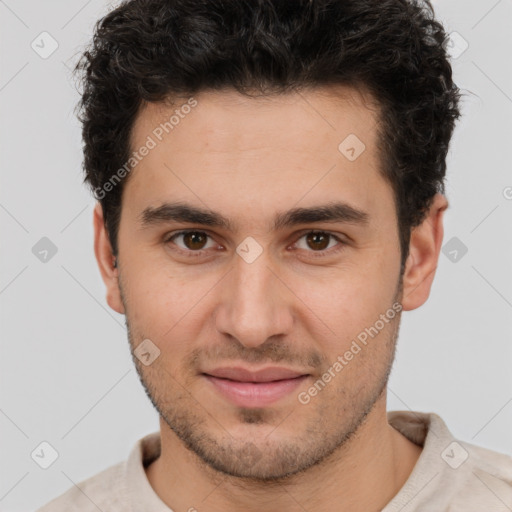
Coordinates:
[66,376]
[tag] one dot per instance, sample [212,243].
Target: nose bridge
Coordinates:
[253,307]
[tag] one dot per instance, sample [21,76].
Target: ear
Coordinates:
[105,259]
[424,249]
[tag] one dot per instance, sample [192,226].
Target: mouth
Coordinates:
[255,390]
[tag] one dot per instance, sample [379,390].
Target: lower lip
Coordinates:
[252,394]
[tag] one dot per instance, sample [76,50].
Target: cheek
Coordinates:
[346,311]
[163,305]
[348,300]
[150,294]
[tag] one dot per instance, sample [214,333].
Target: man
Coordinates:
[269,178]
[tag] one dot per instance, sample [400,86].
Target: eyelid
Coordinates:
[297,236]
[332,250]
[170,236]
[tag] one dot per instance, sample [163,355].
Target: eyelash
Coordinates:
[315,254]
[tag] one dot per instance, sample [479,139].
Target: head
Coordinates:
[222,118]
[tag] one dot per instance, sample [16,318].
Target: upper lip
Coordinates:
[264,375]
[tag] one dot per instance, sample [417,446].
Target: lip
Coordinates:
[268,374]
[246,388]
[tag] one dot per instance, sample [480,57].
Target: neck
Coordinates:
[362,475]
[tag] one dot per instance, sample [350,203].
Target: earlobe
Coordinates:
[107,262]
[424,249]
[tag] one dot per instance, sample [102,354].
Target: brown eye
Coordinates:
[194,240]
[318,241]
[191,241]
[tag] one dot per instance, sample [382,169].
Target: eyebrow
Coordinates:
[182,212]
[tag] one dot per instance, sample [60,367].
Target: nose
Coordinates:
[254,303]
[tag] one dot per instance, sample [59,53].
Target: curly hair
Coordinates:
[153,50]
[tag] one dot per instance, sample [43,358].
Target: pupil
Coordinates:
[315,237]
[193,239]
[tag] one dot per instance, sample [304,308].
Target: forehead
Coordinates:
[255,154]
[227,120]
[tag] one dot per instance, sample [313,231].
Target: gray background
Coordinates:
[66,373]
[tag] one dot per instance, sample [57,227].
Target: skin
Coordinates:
[248,159]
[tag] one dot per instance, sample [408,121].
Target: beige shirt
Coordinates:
[449,476]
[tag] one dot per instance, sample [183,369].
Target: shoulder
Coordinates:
[451,475]
[103,491]
[114,489]
[493,470]
[476,478]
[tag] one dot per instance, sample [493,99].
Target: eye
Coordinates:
[320,241]
[193,241]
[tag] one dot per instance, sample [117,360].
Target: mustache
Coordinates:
[271,351]
[265,353]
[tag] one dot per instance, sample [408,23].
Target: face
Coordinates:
[252,285]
